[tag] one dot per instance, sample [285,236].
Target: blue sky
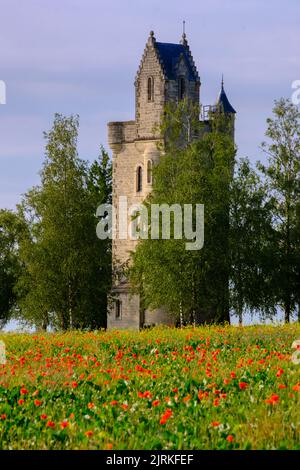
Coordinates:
[81,56]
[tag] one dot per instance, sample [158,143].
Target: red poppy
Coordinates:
[296,388]
[37,402]
[155,403]
[124,406]
[229,438]
[21,401]
[233,375]
[74,384]
[88,433]
[279,372]
[146,394]
[113,402]
[43,416]
[64,424]
[243,385]
[273,399]
[50,424]
[167,414]
[202,394]
[23,391]
[91,405]
[3,416]
[215,423]
[281,386]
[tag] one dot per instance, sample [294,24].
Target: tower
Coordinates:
[167,72]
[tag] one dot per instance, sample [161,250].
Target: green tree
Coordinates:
[251,241]
[67,268]
[11,229]
[282,174]
[189,284]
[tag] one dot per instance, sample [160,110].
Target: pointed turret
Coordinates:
[223,101]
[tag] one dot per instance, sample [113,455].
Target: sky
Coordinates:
[81,57]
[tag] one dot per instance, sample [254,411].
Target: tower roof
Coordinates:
[224,102]
[170,54]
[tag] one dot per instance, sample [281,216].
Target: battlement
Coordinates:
[120,132]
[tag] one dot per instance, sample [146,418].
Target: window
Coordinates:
[150,88]
[139,179]
[118,309]
[181,88]
[149,172]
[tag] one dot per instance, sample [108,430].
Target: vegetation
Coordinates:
[250,259]
[203,388]
[65,269]
[191,171]
[55,272]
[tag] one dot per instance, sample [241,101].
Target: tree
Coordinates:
[191,284]
[282,176]
[67,268]
[11,229]
[251,240]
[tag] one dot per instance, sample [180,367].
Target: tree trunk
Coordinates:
[70,306]
[44,325]
[287,311]
[180,315]
[240,313]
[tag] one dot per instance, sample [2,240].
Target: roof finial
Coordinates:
[183,39]
[151,39]
[222,82]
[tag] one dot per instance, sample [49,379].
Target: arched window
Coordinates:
[139,179]
[118,310]
[181,88]
[150,88]
[149,171]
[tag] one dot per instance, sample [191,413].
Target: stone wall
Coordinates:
[148,113]
[130,308]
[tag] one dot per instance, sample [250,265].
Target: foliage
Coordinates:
[68,269]
[191,388]
[251,240]
[191,171]
[11,229]
[283,183]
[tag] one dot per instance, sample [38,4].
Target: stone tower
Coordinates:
[167,72]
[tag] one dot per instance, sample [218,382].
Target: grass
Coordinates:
[204,388]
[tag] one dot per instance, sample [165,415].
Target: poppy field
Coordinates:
[180,389]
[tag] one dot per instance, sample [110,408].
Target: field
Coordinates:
[204,388]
